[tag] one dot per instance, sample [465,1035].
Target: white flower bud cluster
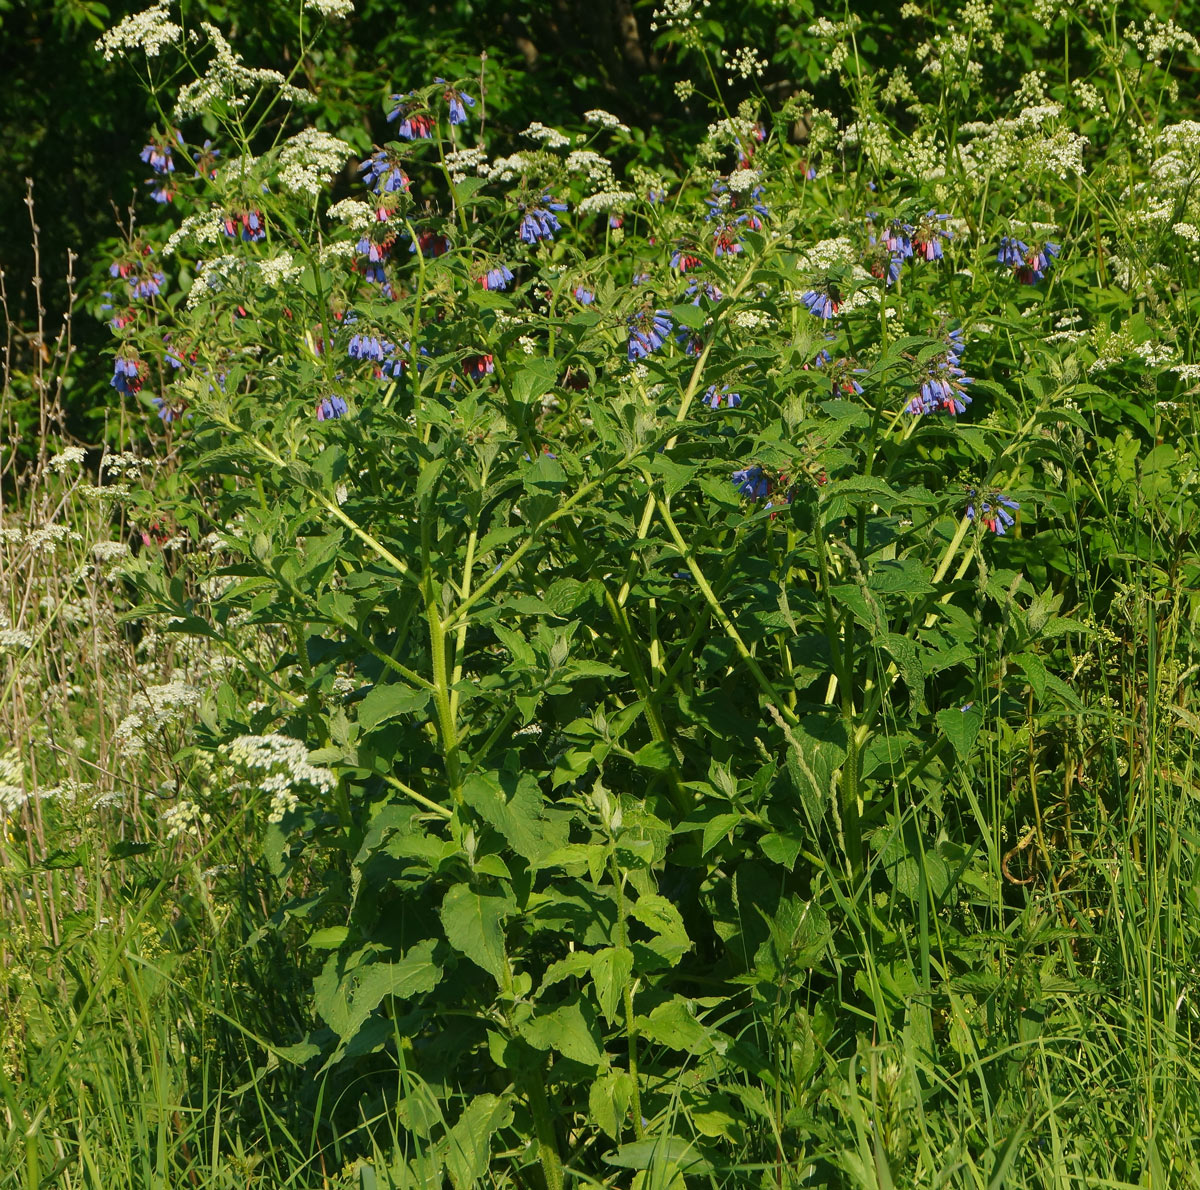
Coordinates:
[153,710]
[331,10]
[463,162]
[354,213]
[229,80]
[603,119]
[72,456]
[550,137]
[148,31]
[606,200]
[744,64]
[279,270]
[309,160]
[185,818]
[676,14]
[597,168]
[279,764]
[204,227]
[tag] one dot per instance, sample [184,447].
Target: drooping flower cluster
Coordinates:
[1029,265]
[383,174]
[718,395]
[943,381]
[822,300]
[253,227]
[129,372]
[497,278]
[158,156]
[994,511]
[414,124]
[648,330]
[540,222]
[455,100]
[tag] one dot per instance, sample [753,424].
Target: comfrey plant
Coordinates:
[629,580]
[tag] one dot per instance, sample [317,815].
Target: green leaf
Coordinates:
[1034,670]
[907,656]
[387,701]
[346,1003]
[961,727]
[643,1154]
[717,828]
[468,1144]
[611,971]
[513,805]
[534,380]
[568,1030]
[655,755]
[609,1099]
[473,925]
[673,1025]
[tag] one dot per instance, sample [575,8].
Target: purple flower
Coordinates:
[170,411]
[927,236]
[162,190]
[685,261]
[381,171]
[127,374]
[477,367]
[943,382]
[157,155]
[823,301]
[1037,260]
[647,332]
[725,238]
[147,285]
[882,262]
[369,347]
[206,161]
[585,297]
[897,236]
[253,228]
[843,374]
[540,223]
[697,289]
[993,513]
[716,396]
[1012,252]
[413,125]
[331,407]
[431,243]
[752,482]
[496,278]
[455,100]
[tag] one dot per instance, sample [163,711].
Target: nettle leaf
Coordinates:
[658,915]
[612,968]
[387,702]
[468,1144]
[961,726]
[609,1099]
[1034,669]
[907,656]
[534,380]
[345,1003]
[473,923]
[570,1030]
[513,805]
[674,1025]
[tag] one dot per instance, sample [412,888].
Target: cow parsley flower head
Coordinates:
[280,767]
[148,31]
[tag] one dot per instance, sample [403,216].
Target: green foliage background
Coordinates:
[665,838]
